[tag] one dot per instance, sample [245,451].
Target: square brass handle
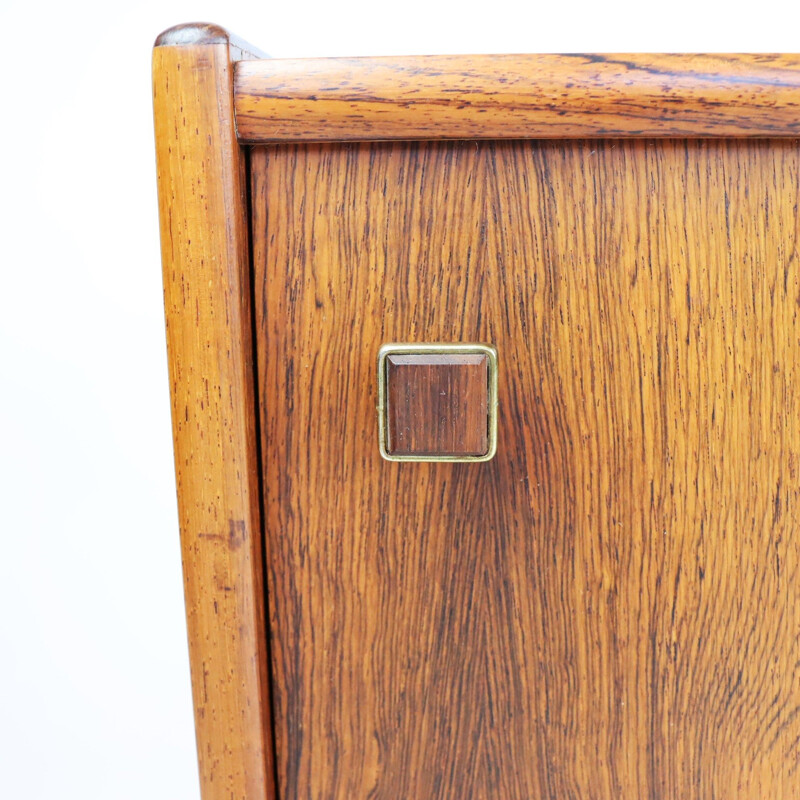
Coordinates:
[437,402]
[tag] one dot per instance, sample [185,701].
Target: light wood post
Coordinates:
[205,253]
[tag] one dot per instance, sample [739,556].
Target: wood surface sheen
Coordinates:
[205,253]
[437,404]
[609,609]
[518,97]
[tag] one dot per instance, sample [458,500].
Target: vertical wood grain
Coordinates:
[203,211]
[608,609]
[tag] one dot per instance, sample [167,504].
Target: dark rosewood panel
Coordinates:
[607,610]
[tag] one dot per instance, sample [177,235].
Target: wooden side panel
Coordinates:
[203,211]
[518,97]
[610,608]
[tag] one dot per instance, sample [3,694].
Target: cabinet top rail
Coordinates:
[517,96]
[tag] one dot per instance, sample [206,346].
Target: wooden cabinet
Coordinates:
[609,607]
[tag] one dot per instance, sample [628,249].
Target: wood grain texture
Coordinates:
[610,608]
[437,404]
[518,97]
[205,253]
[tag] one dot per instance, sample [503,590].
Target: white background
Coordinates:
[94,677]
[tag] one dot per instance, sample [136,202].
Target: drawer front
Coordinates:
[609,608]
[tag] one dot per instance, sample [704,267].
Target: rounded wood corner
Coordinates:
[192,34]
[206,34]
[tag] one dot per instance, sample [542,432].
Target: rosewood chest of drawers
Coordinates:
[586,271]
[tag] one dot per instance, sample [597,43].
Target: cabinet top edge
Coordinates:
[518,96]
